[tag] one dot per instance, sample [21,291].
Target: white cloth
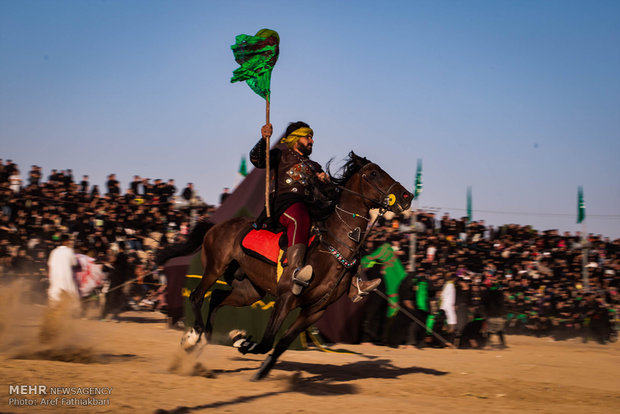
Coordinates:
[60,265]
[15,182]
[448,298]
[90,274]
[430,253]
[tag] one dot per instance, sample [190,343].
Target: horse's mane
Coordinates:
[353,163]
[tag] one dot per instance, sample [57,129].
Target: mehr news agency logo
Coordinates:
[43,395]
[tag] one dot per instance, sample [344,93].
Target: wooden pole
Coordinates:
[267,178]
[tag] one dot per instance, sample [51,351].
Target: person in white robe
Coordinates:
[61,263]
[448,302]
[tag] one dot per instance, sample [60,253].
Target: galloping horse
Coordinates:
[363,186]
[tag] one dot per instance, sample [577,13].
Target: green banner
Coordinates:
[417,188]
[257,56]
[581,205]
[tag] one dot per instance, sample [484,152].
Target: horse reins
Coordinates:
[347,264]
[346,268]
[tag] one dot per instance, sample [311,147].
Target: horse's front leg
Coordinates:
[284,304]
[305,319]
[191,338]
[216,301]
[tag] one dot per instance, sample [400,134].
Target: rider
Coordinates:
[295,180]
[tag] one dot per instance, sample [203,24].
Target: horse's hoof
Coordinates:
[264,369]
[190,339]
[237,334]
[246,345]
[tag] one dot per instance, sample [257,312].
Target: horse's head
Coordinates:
[375,186]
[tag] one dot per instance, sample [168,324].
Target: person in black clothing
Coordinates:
[225,194]
[34,176]
[113,185]
[188,192]
[294,178]
[375,308]
[94,192]
[120,271]
[84,184]
[402,329]
[462,304]
[136,184]
[493,306]
[298,187]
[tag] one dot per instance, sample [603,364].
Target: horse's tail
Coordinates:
[194,241]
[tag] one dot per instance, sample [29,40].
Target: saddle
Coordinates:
[268,246]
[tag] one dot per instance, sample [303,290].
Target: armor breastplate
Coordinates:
[295,174]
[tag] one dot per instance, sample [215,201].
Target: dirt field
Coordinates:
[140,360]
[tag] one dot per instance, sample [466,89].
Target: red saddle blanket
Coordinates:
[266,245]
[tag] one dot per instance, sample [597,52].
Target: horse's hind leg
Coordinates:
[303,321]
[243,293]
[284,304]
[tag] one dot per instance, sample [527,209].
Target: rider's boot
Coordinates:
[361,288]
[301,274]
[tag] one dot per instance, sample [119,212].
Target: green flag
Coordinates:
[417,189]
[243,169]
[469,203]
[581,205]
[257,56]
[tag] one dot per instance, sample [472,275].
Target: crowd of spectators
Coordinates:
[36,213]
[539,273]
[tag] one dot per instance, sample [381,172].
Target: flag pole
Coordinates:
[581,218]
[585,244]
[267,164]
[413,237]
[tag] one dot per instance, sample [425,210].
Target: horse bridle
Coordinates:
[387,200]
[384,205]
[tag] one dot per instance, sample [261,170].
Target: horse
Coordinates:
[362,186]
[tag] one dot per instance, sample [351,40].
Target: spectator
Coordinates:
[120,271]
[114,188]
[61,265]
[188,192]
[225,194]
[15,181]
[136,185]
[84,184]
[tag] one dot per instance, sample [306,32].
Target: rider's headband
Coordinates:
[294,136]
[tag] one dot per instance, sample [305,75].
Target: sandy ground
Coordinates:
[141,361]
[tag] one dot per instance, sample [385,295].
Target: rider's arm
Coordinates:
[257,154]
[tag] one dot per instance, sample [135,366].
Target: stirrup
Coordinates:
[301,279]
[363,293]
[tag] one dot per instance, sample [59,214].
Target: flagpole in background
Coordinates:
[581,218]
[243,171]
[257,56]
[469,205]
[417,189]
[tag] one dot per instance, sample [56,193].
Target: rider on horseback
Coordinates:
[295,183]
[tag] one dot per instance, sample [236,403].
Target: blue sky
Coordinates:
[518,99]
